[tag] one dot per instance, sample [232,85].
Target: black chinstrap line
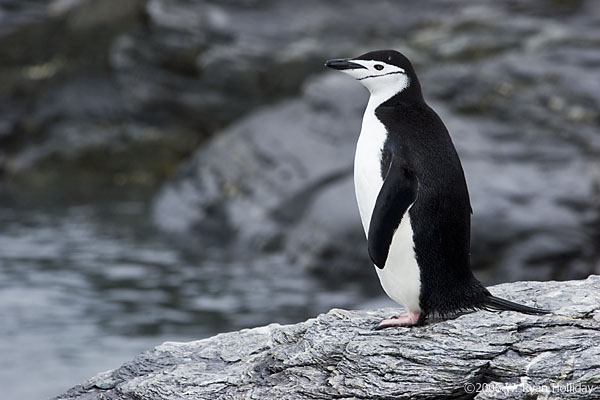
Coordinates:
[375,76]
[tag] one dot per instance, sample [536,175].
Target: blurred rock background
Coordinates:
[170,169]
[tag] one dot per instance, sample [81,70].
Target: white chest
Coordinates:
[400,278]
[367,165]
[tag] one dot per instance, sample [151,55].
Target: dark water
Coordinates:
[85,288]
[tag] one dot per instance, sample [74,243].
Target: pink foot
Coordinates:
[412,318]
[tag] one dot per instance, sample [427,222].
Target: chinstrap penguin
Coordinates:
[412,197]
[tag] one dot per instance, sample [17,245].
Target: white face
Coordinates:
[383,80]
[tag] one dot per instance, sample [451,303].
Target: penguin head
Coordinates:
[385,73]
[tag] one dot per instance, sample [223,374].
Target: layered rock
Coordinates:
[479,355]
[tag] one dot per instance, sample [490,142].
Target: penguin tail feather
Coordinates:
[493,303]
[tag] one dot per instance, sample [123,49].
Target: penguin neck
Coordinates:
[393,98]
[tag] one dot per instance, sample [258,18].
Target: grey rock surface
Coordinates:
[479,355]
[279,180]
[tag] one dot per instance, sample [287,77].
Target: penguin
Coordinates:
[413,198]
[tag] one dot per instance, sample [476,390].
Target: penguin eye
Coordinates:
[378,67]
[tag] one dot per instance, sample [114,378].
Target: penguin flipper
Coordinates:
[398,192]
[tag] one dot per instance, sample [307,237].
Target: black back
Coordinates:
[441,214]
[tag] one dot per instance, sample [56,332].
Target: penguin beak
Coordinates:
[341,64]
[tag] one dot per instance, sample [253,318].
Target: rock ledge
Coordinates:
[479,355]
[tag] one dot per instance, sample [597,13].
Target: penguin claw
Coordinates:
[379,327]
